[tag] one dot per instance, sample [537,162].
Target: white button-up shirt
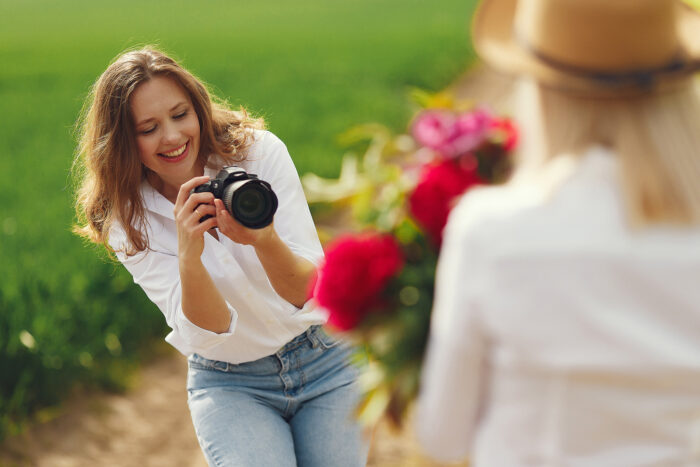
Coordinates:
[559,336]
[261,321]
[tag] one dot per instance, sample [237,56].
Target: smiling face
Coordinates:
[167,133]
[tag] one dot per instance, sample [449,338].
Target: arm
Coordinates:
[288,250]
[156,271]
[288,273]
[202,302]
[455,368]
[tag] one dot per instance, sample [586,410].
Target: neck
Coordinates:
[170,189]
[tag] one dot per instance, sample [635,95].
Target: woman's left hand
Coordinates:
[237,232]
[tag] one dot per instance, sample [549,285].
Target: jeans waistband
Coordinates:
[311,335]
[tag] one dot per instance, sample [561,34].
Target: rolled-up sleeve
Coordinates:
[455,369]
[158,274]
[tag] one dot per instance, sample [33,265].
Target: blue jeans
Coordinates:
[292,408]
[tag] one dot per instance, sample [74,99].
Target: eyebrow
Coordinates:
[171,109]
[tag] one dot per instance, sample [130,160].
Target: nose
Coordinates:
[171,134]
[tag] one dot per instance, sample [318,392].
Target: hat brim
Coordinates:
[496,43]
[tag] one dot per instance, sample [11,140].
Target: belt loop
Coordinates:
[311,335]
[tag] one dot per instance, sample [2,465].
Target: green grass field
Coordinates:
[311,68]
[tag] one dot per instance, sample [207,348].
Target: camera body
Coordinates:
[248,199]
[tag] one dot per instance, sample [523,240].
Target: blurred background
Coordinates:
[68,316]
[71,320]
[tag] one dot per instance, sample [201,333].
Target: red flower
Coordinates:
[506,132]
[434,196]
[355,272]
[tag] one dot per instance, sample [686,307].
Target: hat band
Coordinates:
[640,78]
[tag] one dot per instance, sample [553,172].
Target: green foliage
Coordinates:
[311,68]
[376,178]
[86,326]
[401,186]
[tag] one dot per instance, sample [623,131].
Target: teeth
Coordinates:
[176,152]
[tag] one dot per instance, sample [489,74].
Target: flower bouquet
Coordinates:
[377,281]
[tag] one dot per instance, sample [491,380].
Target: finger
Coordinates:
[184,192]
[198,199]
[226,221]
[201,211]
[220,208]
[194,223]
[202,227]
[196,217]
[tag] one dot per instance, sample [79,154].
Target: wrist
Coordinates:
[190,263]
[267,239]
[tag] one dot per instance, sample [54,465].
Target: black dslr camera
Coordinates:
[248,199]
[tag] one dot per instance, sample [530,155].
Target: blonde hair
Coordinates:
[107,167]
[656,138]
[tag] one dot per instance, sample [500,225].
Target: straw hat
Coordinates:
[592,47]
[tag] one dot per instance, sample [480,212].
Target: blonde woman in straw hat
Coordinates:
[566,325]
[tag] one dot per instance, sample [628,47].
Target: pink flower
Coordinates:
[434,196]
[354,274]
[433,129]
[451,134]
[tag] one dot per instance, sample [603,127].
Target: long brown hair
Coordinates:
[107,167]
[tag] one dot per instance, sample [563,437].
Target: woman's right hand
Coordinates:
[189,209]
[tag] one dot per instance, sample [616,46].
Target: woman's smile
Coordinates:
[176,155]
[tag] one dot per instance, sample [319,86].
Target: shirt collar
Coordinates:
[159,204]
[155,202]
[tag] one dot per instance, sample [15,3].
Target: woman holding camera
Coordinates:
[266,386]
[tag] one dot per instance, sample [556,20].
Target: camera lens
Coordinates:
[251,202]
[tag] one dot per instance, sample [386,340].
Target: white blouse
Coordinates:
[261,321]
[559,336]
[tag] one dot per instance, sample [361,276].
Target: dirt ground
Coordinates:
[150,426]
